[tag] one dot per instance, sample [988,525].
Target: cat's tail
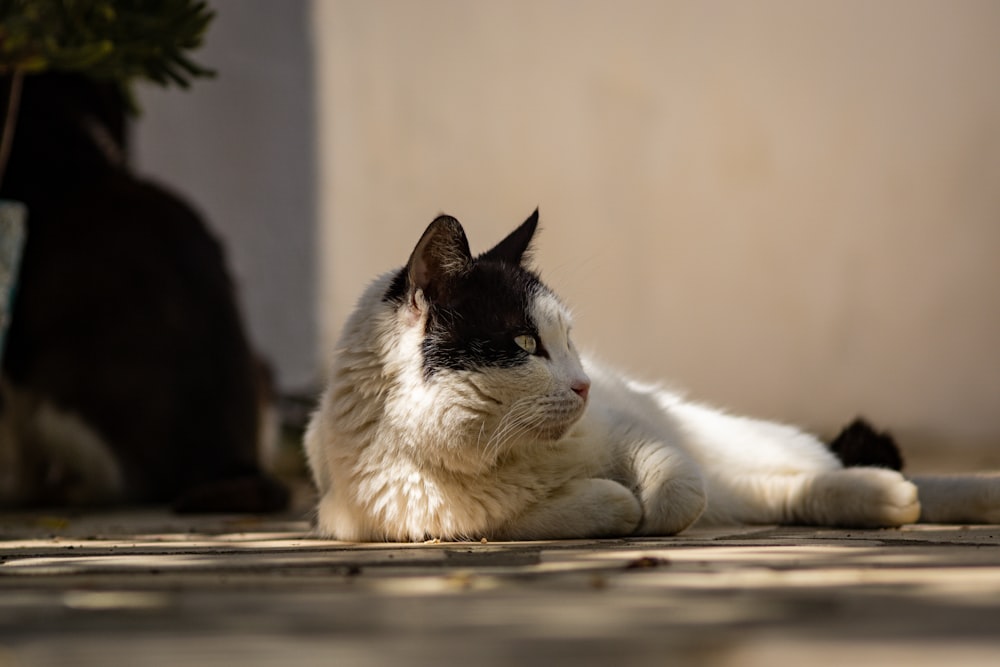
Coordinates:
[963,498]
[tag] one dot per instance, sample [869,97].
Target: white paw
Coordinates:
[875,497]
[582,508]
[670,489]
[672,507]
[613,510]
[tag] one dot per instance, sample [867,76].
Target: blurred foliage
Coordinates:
[110,40]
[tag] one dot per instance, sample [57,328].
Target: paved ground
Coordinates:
[150,588]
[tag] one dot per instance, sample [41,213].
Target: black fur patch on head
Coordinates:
[476,307]
[859,444]
[476,327]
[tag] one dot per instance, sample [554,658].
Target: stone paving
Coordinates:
[151,588]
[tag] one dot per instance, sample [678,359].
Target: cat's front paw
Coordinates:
[580,508]
[613,509]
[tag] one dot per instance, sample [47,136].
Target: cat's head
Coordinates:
[492,332]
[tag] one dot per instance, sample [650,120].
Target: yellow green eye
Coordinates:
[527,343]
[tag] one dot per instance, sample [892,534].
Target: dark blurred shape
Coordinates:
[126,316]
[859,444]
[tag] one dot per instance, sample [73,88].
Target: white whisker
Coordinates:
[523,417]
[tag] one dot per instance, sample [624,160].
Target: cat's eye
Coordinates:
[527,343]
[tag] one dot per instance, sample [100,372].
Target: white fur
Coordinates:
[514,454]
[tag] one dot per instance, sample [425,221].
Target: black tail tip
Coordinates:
[859,444]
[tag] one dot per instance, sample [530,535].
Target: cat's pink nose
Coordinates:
[581,388]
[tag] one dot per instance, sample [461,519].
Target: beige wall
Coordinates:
[788,208]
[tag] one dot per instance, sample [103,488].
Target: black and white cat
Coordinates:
[458,408]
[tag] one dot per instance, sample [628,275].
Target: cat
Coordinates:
[127,376]
[458,408]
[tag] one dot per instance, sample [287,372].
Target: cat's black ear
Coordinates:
[515,248]
[441,255]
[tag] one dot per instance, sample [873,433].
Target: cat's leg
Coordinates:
[330,522]
[765,472]
[849,497]
[338,518]
[580,508]
[856,497]
[668,484]
[971,498]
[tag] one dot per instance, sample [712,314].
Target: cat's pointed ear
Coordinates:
[441,255]
[515,248]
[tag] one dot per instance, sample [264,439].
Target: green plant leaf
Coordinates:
[119,40]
